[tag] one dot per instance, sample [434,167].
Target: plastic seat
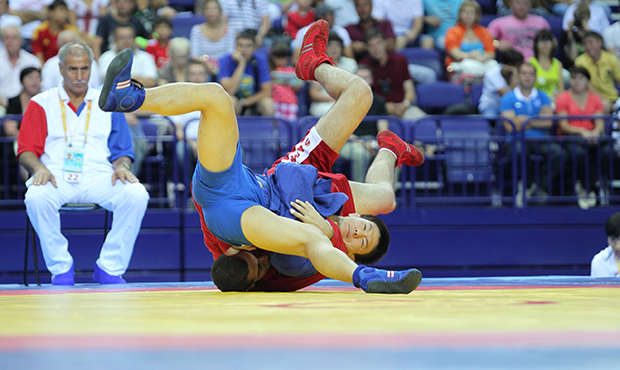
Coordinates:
[437,96]
[426,57]
[263,141]
[467,150]
[475,93]
[183,24]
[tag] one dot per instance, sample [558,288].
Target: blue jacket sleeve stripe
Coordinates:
[119,141]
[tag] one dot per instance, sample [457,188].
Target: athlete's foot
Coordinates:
[120,93]
[405,153]
[372,280]
[313,51]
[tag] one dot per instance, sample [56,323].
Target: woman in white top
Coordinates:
[212,39]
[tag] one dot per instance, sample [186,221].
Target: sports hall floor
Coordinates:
[447,323]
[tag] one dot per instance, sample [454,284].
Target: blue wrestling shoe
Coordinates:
[68,278]
[103,277]
[120,93]
[373,280]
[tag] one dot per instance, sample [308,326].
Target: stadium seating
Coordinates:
[426,57]
[435,97]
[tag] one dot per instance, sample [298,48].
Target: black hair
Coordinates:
[612,228]
[334,37]
[511,57]
[579,70]
[125,25]
[26,71]
[57,4]
[372,33]
[594,34]
[162,20]
[544,35]
[230,274]
[382,247]
[248,34]
[278,50]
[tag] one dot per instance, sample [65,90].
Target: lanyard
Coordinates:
[64,119]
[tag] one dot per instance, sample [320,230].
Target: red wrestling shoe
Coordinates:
[313,51]
[405,153]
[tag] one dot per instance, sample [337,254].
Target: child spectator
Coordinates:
[285,82]
[44,38]
[158,45]
[548,69]
[300,18]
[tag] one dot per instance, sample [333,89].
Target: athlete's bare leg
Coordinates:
[376,195]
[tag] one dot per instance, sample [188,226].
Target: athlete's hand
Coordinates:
[306,213]
[42,175]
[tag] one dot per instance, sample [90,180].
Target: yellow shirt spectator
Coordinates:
[603,73]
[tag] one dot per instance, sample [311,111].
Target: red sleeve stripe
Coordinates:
[33,130]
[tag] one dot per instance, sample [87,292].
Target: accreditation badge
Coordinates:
[74,159]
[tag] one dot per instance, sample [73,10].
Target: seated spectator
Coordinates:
[407,19]
[30,79]
[44,39]
[123,13]
[579,101]
[362,146]
[611,35]
[321,101]
[469,46]
[439,16]
[147,11]
[519,105]
[31,12]
[597,22]
[517,31]
[13,59]
[344,12]
[548,69]
[606,262]
[498,81]
[177,68]
[539,7]
[297,19]
[50,73]
[87,13]
[323,12]
[158,45]
[286,85]
[212,39]
[391,77]
[572,39]
[245,76]
[6,18]
[604,69]
[356,31]
[248,14]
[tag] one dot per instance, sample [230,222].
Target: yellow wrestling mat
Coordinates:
[446,315]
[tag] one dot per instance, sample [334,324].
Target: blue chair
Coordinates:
[426,57]
[183,25]
[486,19]
[430,175]
[439,95]
[488,6]
[474,94]
[263,140]
[557,30]
[467,150]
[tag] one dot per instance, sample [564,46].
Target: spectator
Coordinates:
[297,19]
[323,12]
[362,145]
[611,35]
[572,39]
[391,77]
[407,18]
[143,69]
[498,81]
[606,263]
[286,85]
[321,102]
[123,13]
[604,69]
[50,73]
[6,18]
[356,31]
[87,13]
[539,7]
[469,46]
[44,39]
[248,14]
[212,39]
[440,15]
[548,69]
[344,12]
[519,105]
[105,147]
[245,76]
[597,22]
[31,12]
[579,101]
[147,11]
[158,45]
[517,31]
[13,59]
[177,68]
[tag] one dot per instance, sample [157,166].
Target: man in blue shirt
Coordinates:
[521,104]
[245,76]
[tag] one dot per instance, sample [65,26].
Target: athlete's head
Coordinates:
[366,237]
[240,272]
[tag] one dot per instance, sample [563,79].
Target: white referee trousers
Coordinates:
[128,203]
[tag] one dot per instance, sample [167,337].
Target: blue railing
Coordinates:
[469,160]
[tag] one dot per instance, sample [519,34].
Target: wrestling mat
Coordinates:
[463,323]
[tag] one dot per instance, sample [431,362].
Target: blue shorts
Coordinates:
[224,196]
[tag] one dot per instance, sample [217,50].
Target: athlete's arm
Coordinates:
[306,213]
